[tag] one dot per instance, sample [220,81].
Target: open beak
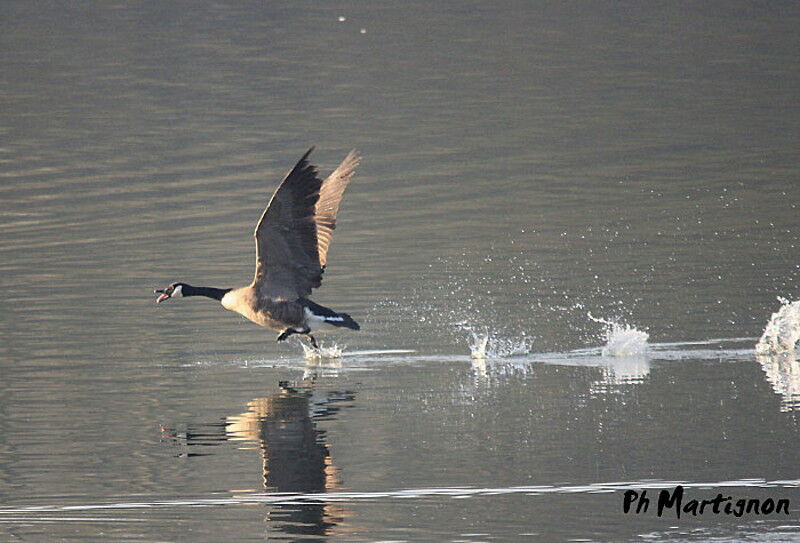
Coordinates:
[164,296]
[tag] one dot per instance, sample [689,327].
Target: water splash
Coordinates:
[507,347]
[472,288]
[324,352]
[783,330]
[477,349]
[622,340]
[484,344]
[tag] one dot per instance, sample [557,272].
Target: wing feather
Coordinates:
[330,196]
[294,232]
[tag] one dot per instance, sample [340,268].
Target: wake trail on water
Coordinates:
[39,512]
[621,340]
[618,343]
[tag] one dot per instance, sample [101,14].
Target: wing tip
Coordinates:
[351,161]
[353,157]
[348,165]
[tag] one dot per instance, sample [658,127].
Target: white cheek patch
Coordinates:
[178,292]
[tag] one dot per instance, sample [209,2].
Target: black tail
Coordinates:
[347,321]
[331,316]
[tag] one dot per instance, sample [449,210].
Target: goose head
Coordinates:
[173,290]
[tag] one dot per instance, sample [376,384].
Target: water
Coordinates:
[524,166]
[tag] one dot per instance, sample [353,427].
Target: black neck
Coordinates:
[208,292]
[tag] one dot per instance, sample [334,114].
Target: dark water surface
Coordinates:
[525,164]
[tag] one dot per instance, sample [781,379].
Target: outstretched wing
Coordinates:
[294,232]
[330,196]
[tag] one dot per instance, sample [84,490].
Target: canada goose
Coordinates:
[292,240]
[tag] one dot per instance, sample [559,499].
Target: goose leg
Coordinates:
[285,334]
[313,341]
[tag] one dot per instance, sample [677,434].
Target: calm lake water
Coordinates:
[529,167]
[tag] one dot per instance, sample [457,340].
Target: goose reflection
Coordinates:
[294,455]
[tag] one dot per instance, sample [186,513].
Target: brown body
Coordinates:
[263,311]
